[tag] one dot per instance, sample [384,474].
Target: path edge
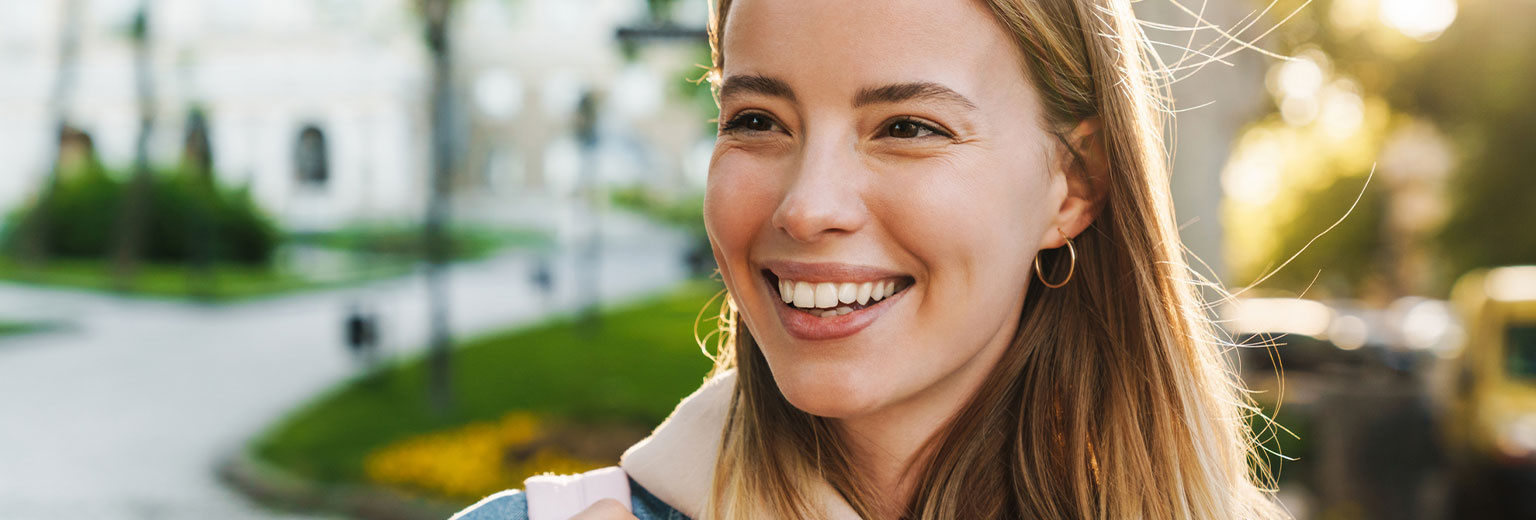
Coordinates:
[277,488]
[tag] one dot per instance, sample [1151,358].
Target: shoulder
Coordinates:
[647,507]
[513,505]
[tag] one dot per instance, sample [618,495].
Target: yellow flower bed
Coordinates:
[473,460]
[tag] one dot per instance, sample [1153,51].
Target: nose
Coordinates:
[825,197]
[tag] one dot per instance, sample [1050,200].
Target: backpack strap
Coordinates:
[559,497]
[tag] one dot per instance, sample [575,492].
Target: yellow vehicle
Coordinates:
[1491,431]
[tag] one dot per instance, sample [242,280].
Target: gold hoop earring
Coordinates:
[1070,268]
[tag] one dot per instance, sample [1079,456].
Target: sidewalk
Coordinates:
[124,411]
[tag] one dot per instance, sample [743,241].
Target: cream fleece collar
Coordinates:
[677,462]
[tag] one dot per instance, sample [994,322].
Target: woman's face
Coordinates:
[870,148]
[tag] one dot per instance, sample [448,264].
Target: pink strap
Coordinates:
[560,497]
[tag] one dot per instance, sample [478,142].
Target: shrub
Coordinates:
[184,217]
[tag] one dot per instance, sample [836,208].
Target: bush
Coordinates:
[184,218]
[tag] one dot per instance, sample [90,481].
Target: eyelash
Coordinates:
[739,121]
[931,127]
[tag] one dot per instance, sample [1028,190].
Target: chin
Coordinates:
[829,391]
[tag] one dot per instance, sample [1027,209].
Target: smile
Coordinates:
[831,301]
[828,299]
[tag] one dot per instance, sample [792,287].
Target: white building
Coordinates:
[356,73]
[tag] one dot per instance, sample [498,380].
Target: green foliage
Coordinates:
[694,89]
[633,369]
[1473,85]
[185,216]
[660,9]
[685,212]
[1476,81]
[1343,259]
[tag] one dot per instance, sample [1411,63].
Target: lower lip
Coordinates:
[802,325]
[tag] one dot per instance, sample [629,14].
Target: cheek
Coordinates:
[739,201]
[974,222]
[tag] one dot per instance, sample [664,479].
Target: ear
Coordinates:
[1082,159]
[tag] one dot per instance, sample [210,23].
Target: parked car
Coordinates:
[1492,428]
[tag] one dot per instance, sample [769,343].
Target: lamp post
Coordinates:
[436,13]
[589,256]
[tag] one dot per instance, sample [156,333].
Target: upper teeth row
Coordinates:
[827,295]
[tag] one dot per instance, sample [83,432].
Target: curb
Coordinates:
[274,487]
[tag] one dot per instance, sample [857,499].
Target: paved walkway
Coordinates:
[123,413]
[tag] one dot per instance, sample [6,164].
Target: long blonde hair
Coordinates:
[1114,400]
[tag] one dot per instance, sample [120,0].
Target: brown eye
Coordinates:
[757,123]
[904,129]
[912,129]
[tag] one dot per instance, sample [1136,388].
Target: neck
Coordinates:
[891,446]
[887,455]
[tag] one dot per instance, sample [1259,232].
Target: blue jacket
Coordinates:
[513,505]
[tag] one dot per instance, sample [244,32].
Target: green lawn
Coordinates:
[631,369]
[224,282]
[394,252]
[466,242]
[11,327]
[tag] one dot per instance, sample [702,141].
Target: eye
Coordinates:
[751,122]
[911,128]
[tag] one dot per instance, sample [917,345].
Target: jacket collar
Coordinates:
[677,462]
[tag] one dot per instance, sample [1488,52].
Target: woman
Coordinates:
[955,286]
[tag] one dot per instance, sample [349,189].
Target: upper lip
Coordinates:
[828,271]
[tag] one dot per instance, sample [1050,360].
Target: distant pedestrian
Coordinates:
[362,331]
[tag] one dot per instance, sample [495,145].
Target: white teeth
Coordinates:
[847,292]
[844,310]
[826,295]
[828,313]
[805,296]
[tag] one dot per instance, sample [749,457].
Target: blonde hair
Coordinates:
[1115,398]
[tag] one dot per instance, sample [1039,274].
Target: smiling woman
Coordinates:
[885,178]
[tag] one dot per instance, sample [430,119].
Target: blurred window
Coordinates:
[1521,339]
[310,158]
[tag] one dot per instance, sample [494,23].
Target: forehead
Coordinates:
[836,47]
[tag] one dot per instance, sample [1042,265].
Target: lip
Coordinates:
[828,272]
[802,325]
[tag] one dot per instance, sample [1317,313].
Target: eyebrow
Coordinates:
[754,84]
[916,90]
[886,94]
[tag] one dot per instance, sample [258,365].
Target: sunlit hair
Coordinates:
[1115,398]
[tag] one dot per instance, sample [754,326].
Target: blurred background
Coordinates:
[379,258]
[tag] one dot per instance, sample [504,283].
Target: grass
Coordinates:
[629,370]
[223,282]
[465,242]
[397,248]
[11,327]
